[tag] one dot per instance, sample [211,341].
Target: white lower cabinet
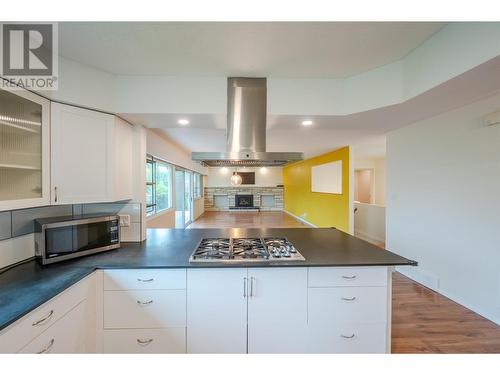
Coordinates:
[67,335]
[239,310]
[144,311]
[277,310]
[213,310]
[64,324]
[347,338]
[348,310]
[167,340]
[217,310]
[287,310]
[347,305]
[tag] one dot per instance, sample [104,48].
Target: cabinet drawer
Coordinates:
[170,340]
[144,279]
[347,305]
[144,309]
[26,329]
[342,276]
[348,338]
[67,335]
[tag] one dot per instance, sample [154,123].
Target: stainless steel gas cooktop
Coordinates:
[251,249]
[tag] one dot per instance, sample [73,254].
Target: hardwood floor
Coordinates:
[423,321]
[264,219]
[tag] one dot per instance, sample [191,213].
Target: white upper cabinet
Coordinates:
[91,156]
[122,160]
[217,310]
[24,149]
[277,310]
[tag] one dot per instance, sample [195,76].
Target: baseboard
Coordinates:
[424,279]
[421,277]
[300,219]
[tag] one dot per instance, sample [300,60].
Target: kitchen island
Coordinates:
[295,300]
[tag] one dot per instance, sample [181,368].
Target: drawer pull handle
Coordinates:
[145,303]
[144,342]
[348,337]
[349,277]
[349,299]
[47,348]
[38,322]
[145,280]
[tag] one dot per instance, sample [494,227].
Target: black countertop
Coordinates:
[27,286]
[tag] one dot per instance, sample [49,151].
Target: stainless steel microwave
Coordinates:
[62,238]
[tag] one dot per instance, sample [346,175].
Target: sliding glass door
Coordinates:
[188,197]
[183,198]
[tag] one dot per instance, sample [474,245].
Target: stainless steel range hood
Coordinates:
[246,129]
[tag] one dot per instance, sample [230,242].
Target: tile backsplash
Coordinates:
[16,226]
[23,221]
[5,225]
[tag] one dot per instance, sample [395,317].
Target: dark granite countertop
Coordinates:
[27,286]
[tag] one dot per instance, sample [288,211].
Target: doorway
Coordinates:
[183,198]
[363,186]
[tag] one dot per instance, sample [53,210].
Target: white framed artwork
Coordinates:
[327,178]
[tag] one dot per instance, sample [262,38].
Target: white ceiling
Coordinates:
[206,132]
[288,49]
[291,50]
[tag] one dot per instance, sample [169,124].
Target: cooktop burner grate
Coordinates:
[249,249]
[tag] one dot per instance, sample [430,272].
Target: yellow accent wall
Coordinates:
[320,209]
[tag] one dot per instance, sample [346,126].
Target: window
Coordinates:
[158,186]
[198,186]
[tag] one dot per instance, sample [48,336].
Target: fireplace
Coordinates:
[243,200]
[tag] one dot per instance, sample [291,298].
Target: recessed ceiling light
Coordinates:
[307,122]
[183,121]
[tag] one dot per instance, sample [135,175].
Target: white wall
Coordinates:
[162,147]
[379,176]
[369,223]
[443,204]
[165,219]
[455,49]
[139,173]
[268,176]
[84,86]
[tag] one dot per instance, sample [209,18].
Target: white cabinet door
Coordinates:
[81,155]
[123,160]
[277,310]
[144,309]
[145,341]
[145,279]
[345,305]
[348,338]
[67,335]
[24,149]
[217,310]
[347,320]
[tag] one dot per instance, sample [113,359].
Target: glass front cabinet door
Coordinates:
[24,149]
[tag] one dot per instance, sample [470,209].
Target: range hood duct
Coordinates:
[246,129]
